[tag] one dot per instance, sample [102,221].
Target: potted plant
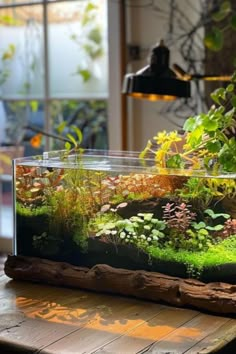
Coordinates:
[209,142]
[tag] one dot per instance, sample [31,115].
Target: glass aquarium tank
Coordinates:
[115,208]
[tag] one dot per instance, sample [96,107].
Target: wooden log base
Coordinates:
[214,297]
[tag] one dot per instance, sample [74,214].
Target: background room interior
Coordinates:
[63,63]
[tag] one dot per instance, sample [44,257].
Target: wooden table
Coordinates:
[50,320]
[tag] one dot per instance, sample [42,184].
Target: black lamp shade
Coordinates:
[156,81]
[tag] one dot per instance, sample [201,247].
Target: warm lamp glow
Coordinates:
[156,81]
[152,97]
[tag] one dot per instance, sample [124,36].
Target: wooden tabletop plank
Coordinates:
[65,305]
[151,331]
[35,305]
[53,320]
[217,340]
[101,331]
[32,334]
[184,338]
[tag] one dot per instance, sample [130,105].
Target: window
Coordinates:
[54,69]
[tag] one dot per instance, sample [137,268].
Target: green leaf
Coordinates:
[78,132]
[209,212]
[189,124]
[218,227]
[95,35]
[233,22]
[233,77]
[218,94]
[67,146]
[198,226]
[93,51]
[203,232]
[233,101]
[213,146]
[196,137]
[72,139]
[34,106]
[9,53]
[86,74]
[175,161]
[214,39]
[230,88]
[224,10]
[90,6]
[214,215]
[61,127]
[210,124]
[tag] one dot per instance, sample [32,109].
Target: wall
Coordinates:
[146,25]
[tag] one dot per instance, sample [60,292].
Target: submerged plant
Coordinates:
[181,233]
[137,186]
[229,228]
[196,191]
[47,244]
[178,217]
[86,189]
[33,182]
[185,232]
[140,230]
[66,218]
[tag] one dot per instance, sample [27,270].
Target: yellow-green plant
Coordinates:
[209,141]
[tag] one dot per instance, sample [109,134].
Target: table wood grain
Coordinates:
[36,318]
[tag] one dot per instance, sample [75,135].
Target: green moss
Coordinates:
[31,211]
[221,253]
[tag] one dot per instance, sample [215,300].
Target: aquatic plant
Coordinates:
[196,262]
[47,244]
[31,210]
[203,192]
[178,217]
[66,218]
[86,189]
[229,228]
[140,186]
[197,191]
[222,187]
[134,187]
[33,182]
[182,230]
[141,230]
[209,141]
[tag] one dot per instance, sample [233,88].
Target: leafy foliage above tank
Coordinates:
[209,141]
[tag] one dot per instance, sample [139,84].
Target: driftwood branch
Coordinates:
[214,297]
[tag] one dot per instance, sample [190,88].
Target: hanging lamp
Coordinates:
[156,81]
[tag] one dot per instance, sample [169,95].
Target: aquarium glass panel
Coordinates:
[112,207]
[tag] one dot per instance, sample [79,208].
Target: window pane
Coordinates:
[20,122]
[78,49]
[21,52]
[89,116]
